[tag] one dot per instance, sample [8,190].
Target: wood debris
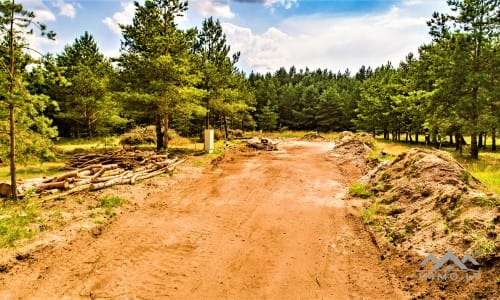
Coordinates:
[97,171]
[262,144]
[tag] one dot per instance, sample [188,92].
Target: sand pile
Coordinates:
[424,202]
[429,202]
[352,150]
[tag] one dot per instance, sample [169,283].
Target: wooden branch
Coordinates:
[64,185]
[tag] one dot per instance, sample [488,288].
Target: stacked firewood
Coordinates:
[97,171]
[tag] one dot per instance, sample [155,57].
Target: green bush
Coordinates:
[139,136]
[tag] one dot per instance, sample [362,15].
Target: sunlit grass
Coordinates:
[33,171]
[68,145]
[16,221]
[486,169]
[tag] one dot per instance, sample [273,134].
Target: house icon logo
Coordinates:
[448,268]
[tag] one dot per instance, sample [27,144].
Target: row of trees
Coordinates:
[186,79]
[450,89]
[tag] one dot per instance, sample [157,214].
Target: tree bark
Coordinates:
[225,127]
[159,133]
[165,134]
[493,140]
[474,151]
[12,116]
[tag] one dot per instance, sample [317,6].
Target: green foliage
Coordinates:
[86,106]
[360,190]
[158,75]
[369,215]
[465,176]
[139,136]
[23,111]
[111,201]
[268,118]
[15,221]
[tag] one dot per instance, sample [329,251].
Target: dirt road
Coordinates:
[272,225]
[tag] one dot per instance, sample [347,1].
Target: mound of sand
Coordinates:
[425,202]
[351,150]
[428,199]
[313,136]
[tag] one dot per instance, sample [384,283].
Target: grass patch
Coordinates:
[484,245]
[110,202]
[486,202]
[369,215]
[16,222]
[69,145]
[26,172]
[486,169]
[360,190]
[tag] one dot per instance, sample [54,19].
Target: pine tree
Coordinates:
[15,23]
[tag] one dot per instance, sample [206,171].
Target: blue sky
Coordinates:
[333,34]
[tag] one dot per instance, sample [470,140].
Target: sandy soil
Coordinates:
[261,225]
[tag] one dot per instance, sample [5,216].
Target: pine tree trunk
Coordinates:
[165,133]
[12,117]
[493,140]
[480,142]
[225,127]
[207,117]
[12,155]
[159,133]
[451,139]
[474,150]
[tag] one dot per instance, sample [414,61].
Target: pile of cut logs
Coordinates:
[97,171]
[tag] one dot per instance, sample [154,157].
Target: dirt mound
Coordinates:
[426,202]
[352,151]
[352,147]
[313,136]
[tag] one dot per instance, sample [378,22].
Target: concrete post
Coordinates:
[209,140]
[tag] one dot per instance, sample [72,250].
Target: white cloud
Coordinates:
[285,3]
[42,12]
[334,42]
[259,52]
[65,9]
[215,8]
[123,17]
